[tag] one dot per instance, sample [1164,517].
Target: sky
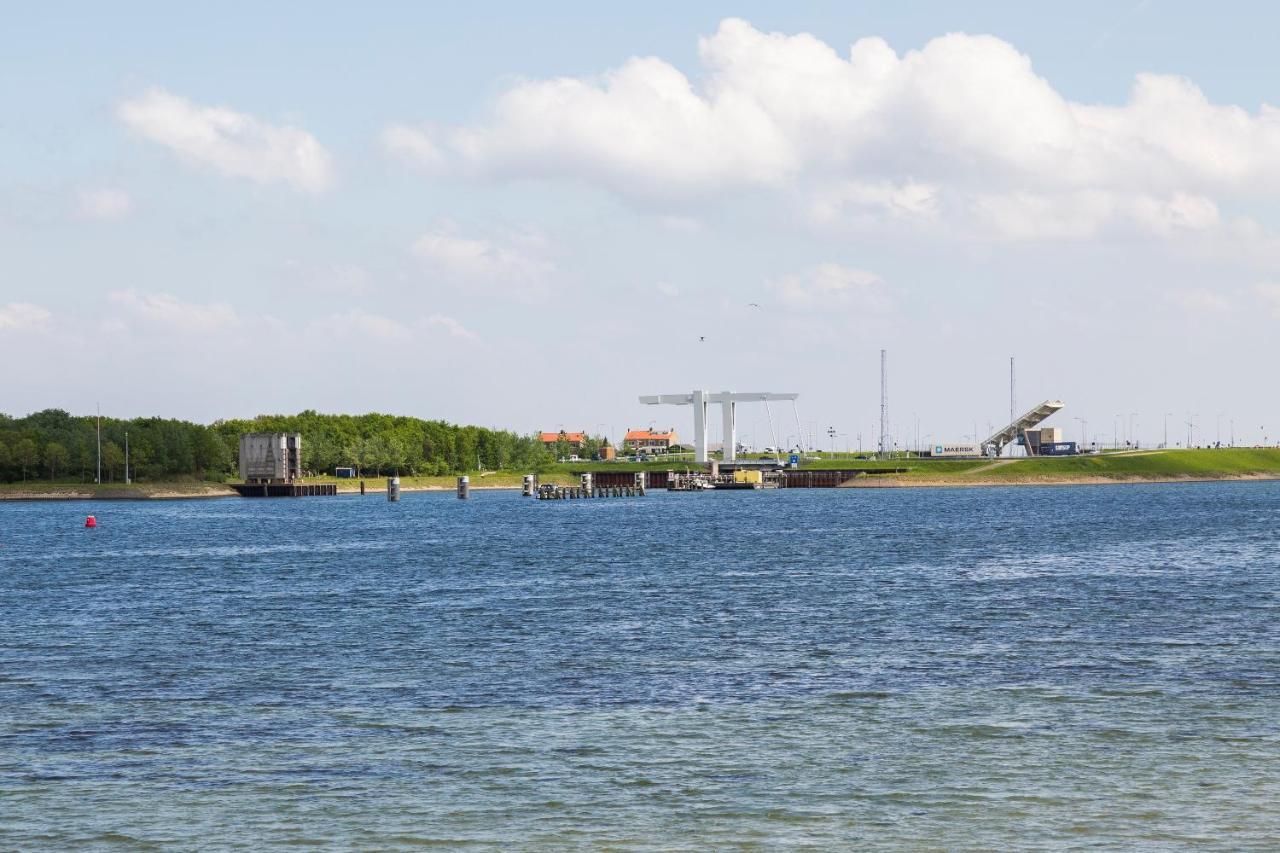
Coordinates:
[528,215]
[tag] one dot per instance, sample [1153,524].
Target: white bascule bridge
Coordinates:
[728,401]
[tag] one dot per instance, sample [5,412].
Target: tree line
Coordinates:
[55,445]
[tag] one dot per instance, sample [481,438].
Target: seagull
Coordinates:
[754,304]
[702,337]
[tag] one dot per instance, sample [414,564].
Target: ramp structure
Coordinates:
[999,440]
[728,401]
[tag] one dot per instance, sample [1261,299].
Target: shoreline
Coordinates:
[1084,480]
[959,481]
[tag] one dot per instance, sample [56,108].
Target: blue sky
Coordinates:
[527,217]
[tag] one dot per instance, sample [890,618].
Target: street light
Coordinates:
[1084,431]
[1132,440]
[1166,430]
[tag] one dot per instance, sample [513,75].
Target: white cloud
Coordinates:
[1269,293]
[23,317]
[1201,301]
[452,326]
[963,125]
[362,325]
[515,262]
[358,324]
[413,145]
[320,277]
[832,286]
[103,204]
[171,313]
[234,143]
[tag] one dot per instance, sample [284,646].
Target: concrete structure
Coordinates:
[648,441]
[997,441]
[728,401]
[271,457]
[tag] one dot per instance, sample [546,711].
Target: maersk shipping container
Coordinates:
[955,450]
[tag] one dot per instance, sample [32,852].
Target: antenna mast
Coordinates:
[884,402]
[1013,393]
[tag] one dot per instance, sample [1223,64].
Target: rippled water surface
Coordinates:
[983,669]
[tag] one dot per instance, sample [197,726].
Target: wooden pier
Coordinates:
[284,490]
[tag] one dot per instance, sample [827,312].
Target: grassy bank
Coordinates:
[1136,466]
[1225,463]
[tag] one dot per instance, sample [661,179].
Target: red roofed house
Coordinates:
[551,439]
[648,441]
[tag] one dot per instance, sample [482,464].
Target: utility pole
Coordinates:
[884,401]
[98,478]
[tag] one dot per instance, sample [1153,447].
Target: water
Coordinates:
[959,669]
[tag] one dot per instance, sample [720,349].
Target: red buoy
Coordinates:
[91,522]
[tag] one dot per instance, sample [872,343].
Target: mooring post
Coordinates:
[362,487]
[393,488]
[464,487]
[528,487]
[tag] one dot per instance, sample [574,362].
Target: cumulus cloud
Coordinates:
[832,286]
[451,326]
[173,314]
[23,317]
[103,204]
[963,126]
[516,262]
[234,143]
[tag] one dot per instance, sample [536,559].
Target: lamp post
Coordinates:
[1084,431]
[1166,430]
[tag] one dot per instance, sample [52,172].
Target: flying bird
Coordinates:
[754,304]
[702,337]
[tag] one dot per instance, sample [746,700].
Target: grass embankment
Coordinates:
[1135,466]
[1175,464]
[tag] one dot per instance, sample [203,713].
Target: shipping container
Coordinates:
[954,450]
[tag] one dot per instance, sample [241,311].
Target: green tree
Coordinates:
[56,457]
[26,455]
[112,459]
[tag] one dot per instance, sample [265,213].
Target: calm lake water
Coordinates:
[959,669]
